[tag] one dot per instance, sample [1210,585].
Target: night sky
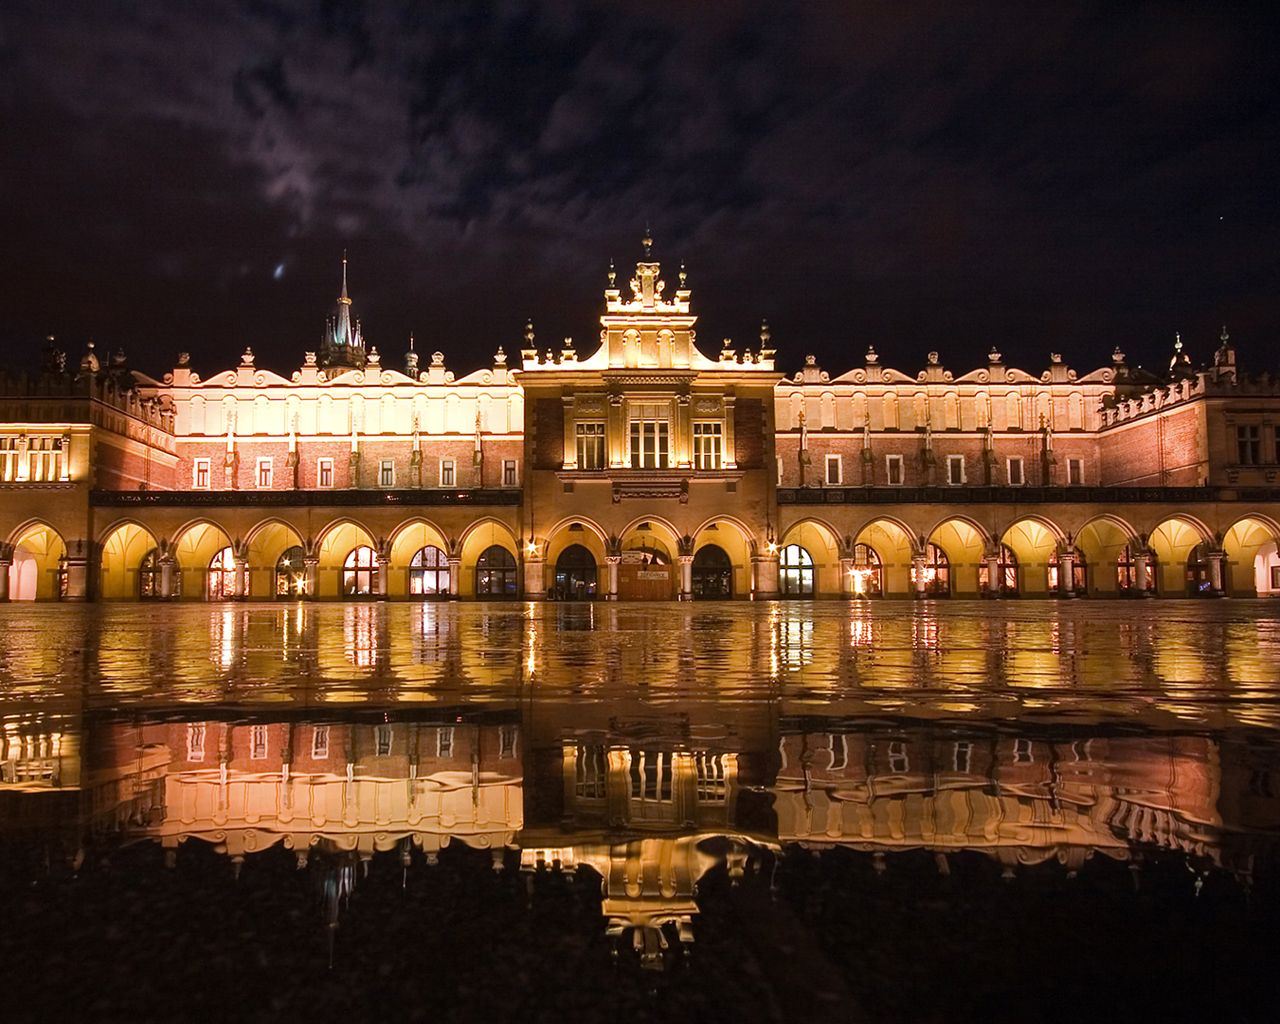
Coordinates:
[1042,177]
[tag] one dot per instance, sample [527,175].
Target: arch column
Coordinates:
[612,562]
[1217,575]
[766,576]
[994,582]
[6,560]
[78,571]
[535,586]
[1140,562]
[846,577]
[918,563]
[166,576]
[686,577]
[382,569]
[240,587]
[455,575]
[1066,574]
[311,572]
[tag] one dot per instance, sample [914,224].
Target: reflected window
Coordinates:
[258,743]
[359,572]
[291,573]
[962,756]
[590,771]
[1022,752]
[868,571]
[1079,572]
[936,572]
[507,741]
[899,763]
[713,788]
[429,573]
[320,742]
[651,775]
[496,573]
[382,741]
[195,741]
[444,741]
[796,568]
[838,744]
[221,584]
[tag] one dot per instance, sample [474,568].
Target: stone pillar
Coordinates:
[766,576]
[1066,574]
[5,563]
[993,575]
[1140,569]
[612,562]
[382,569]
[1217,577]
[686,577]
[311,582]
[918,563]
[535,585]
[455,575]
[78,569]
[241,586]
[166,576]
[846,578]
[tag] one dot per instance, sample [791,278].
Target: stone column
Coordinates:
[612,562]
[382,569]
[993,575]
[311,582]
[241,585]
[1217,577]
[5,563]
[686,577]
[1140,569]
[918,563]
[1066,574]
[455,575]
[535,586]
[846,578]
[166,577]
[78,570]
[766,576]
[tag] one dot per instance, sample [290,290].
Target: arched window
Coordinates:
[1199,580]
[149,576]
[221,583]
[712,574]
[575,574]
[1006,572]
[796,568]
[291,573]
[1127,571]
[359,572]
[496,573]
[429,573]
[1079,572]
[937,572]
[868,571]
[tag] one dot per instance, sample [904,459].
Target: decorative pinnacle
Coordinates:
[528,333]
[411,341]
[344,297]
[684,275]
[647,242]
[1223,337]
[765,334]
[612,275]
[1177,342]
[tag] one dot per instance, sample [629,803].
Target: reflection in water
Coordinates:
[712,780]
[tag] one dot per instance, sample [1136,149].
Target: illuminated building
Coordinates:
[643,468]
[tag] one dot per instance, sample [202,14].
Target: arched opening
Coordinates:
[1250,548]
[220,581]
[1007,574]
[735,544]
[1127,571]
[965,546]
[820,543]
[576,572]
[1103,542]
[476,542]
[194,551]
[712,574]
[868,572]
[38,571]
[1199,577]
[360,572]
[795,572]
[1174,542]
[291,573]
[936,572]
[1266,570]
[1034,544]
[151,577]
[496,573]
[647,571]
[123,551]
[1079,573]
[429,573]
[892,544]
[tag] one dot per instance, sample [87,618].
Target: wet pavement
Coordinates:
[1051,811]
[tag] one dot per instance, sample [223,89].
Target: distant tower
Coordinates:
[342,344]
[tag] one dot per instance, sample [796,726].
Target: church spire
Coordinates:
[342,343]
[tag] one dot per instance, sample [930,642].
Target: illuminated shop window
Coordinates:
[936,571]
[795,569]
[868,571]
[221,583]
[1079,572]
[429,573]
[359,571]
[291,573]
[496,573]
[1006,572]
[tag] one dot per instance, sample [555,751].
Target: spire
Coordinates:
[343,344]
[344,297]
[647,241]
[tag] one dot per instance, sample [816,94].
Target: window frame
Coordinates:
[837,460]
[892,462]
[589,439]
[387,468]
[1009,463]
[952,462]
[510,472]
[197,465]
[1075,468]
[322,464]
[451,467]
[708,445]
[264,462]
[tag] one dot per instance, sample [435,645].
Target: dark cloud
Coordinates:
[1041,178]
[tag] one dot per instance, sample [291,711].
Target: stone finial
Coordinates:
[184,358]
[437,359]
[374,359]
[933,358]
[500,357]
[89,362]
[246,358]
[612,276]
[1117,357]
[995,357]
[872,356]
[684,276]
[308,359]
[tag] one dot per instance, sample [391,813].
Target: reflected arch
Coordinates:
[891,541]
[37,571]
[123,548]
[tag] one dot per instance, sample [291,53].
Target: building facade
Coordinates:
[648,468]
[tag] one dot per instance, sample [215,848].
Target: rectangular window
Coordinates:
[649,444]
[195,741]
[706,445]
[200,474]
[382,741]
[8,458]
[893,470]
[962,756]
[444,741]
[507,741]
[264,473]
[1275,577]
[835,469]
[324,473]
[899,764]
[509,476]
[590,445]
[258,743]
[320,742]
[1016,477]
[387,473]
[448,477]
[1022,752]
[1075,472]
[955,470]
[1249,444]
